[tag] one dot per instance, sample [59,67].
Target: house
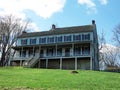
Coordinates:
[73,47]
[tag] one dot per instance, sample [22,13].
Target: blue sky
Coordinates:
[65,13]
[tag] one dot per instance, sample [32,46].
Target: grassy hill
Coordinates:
[18,78]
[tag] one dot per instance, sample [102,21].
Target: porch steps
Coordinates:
[30,63]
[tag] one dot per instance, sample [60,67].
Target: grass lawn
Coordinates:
[18,78]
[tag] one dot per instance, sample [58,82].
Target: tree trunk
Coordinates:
[2,62]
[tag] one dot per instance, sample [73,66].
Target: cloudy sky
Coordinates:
[65,13]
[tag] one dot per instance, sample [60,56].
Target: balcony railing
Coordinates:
[67,54]
[19,58]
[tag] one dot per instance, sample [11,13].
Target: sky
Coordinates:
[66,13]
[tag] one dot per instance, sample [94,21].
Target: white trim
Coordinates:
[60,63]
[46,63]
[90,63]
[75,63]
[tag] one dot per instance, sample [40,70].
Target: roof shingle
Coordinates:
[57,31]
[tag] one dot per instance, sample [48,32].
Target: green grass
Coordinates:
[18,78]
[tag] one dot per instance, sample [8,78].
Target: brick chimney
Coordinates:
[53,26]
[24,32]
[93,22]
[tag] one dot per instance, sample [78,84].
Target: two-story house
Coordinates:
[73,47]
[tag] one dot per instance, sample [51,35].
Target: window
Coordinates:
[67,38]
[59,52]
[33,41]
[77,50]
[31,52]
[85,36]
[76,37]
[50,52]
[50,40]
[85,50]
[58,39]
[42,40]
[24,42]
[22,53]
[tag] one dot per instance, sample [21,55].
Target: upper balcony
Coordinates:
[64,38]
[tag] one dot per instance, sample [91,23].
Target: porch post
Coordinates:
[81,50]
[46,63]
[75,63]
[33,51]
[91,49]
[20,62]
[39,56]
[22,57]
[56,51]
[60,63]
[91,63]
[22,52]
[72,49]
[39,63]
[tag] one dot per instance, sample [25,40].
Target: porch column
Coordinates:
[75,63]
[60,63]
[56,51]
[33,51]
[63,52]
[39,56]
[81,50]
[91,49]
[22,57]
[27,53]
[46,63]
[39,63]
[20,62]
[44,52]
[72,51]
[39,51]
[91,63]
[22,52]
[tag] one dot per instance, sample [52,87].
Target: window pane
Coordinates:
[67,38]
[24,42]
[77,50]
[50,39]
[76,37]
[85,50]
[32,41]
[59,39]
[86,36]
[59,51]
[42,40]
[83,37]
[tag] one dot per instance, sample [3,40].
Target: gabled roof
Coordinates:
[58,31]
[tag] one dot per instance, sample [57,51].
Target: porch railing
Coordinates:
[67,54]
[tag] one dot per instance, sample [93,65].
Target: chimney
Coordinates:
[93,22]
[53,27]
[24,32]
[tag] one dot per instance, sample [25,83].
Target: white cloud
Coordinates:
[43,8]
[103,2]
[91,6]
[88,3]
[32,27]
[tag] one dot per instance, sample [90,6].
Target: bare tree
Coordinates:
[10,28]
[102,42]
[110,55]
[116,36]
